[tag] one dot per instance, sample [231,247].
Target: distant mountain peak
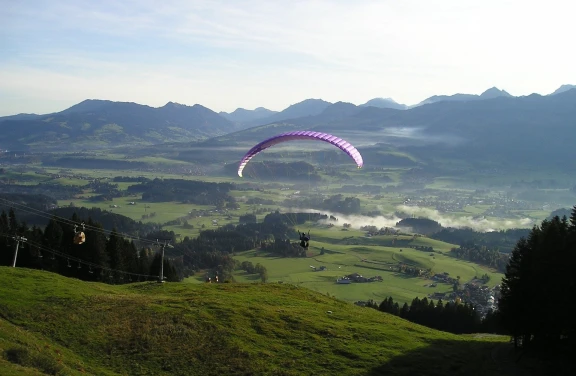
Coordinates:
[340,109]
[494,92]
[88,105]
[174,105]
[563,88]
[384,103]
[244,116]
[491,93]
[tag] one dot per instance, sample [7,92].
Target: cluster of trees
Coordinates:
[283,247]
[423,248]
[108,220]
[214,248]
[422,226]
[453,317]
[505,240]
[380,231]
[38,202]
[104,191]
[336,203]
[130,179]
[53,190]
[247,218]
[482,255]
[259,201]
[255,269]
[485,278]
[186,191]
[106,258]
[341,204]
[539,287]
[412,270]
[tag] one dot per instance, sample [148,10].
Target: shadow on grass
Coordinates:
[473,358]
[445,357]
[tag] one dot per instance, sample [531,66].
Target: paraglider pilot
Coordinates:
[304,239]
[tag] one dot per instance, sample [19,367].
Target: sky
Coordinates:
[225,54]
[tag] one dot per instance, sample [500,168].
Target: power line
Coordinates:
[69,222]
[69,258]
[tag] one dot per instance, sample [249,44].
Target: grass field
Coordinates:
[369,261]
[54,325]
[345,250]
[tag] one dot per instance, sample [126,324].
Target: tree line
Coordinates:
[454,317]
[185,191]
[539,287]
[105,258]
[336,203]
[483,255]
[504,240]
[212,249]
[535,306]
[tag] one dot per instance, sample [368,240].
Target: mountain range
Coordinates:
[506,130]
[456,118]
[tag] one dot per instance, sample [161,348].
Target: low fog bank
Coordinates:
[476,224]
[400,136]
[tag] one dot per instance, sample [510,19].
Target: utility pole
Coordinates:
[18,240]
[161,277]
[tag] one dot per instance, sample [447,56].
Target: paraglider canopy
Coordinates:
[302,135]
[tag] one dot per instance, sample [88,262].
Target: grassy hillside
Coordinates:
[54,325]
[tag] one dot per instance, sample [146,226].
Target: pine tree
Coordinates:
[5,240]
[515,289]
[12,223]
[404,311]
[53,234]
[537,290]
[92,251]
[114,250]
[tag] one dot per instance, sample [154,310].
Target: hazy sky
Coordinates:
[226,54]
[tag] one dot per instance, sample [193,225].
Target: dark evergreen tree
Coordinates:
[538,287]
[12,223]
[404,311]
[5,240]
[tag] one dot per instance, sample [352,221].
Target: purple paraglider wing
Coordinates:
[302,135]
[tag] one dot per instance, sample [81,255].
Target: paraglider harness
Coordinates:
[304,239]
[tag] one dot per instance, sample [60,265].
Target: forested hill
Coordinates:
[93,124]
[503,240]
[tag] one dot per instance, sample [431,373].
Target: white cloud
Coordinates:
[275,53]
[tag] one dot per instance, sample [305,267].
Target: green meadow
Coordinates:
[53,325]
[369,261]
[345,252]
